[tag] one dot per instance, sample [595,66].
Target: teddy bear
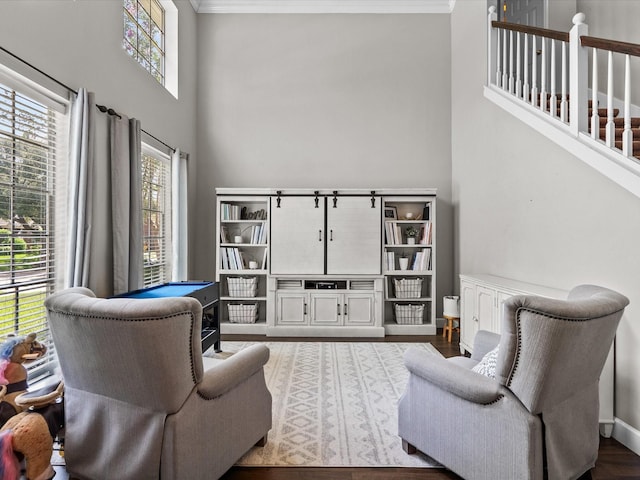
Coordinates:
[30,420]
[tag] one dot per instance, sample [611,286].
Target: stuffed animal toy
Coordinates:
[26,434]
[30,420]
[14,353]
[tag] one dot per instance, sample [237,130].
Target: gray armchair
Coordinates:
[139,402]
[539,413]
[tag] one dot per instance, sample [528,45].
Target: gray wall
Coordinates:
[80,44]
[344,101]
[529,210]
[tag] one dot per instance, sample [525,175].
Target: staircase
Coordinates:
[532,71]
[602,119]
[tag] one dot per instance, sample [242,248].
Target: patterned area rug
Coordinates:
[334,404]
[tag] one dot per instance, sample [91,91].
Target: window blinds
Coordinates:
[29,151]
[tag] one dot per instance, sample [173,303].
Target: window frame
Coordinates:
[48,156]
[153,35]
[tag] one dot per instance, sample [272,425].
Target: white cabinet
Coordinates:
[292,308]
[317,234]
[359,309]
[478,311]
[482,297]
[325,308]
[308,307]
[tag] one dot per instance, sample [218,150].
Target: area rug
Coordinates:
[334,404]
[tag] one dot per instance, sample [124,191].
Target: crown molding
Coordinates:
[323,6]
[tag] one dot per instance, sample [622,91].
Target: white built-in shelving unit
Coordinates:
[321,260]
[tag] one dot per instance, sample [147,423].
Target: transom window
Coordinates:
[156,216]
[28,153]
[144,35]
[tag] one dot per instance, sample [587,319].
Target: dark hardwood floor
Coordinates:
[615,461]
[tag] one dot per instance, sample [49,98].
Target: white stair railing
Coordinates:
[538,73]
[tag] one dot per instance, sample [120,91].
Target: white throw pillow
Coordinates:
[487,366]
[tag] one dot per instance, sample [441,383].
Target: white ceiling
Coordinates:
[323,6]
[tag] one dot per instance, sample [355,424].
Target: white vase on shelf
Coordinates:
[411,240]
[404,263]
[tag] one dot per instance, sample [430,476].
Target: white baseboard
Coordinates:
[627,435]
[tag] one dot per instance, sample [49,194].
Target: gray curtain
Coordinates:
[126,203]
[179,235]
[81,164]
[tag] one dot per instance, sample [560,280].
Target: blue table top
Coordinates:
[171,289]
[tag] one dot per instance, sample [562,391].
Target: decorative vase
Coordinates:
[404,263]
[411,240]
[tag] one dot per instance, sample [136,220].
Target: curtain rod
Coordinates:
[102,108]
[111,111]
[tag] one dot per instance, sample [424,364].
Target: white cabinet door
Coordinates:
[468,323]
[326,308]
[353,236]
[297,236]
[292,309]
[358,309]
[501,297]
[485,308]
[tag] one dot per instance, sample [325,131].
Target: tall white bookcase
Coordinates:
[409,288]
[242,248]
[320,258]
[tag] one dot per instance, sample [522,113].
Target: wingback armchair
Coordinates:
[540,412]
[140,403]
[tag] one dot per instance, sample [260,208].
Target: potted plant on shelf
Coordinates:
[411,232]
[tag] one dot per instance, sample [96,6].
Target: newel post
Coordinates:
[579,73]
[492,46]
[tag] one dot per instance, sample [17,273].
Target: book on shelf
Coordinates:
[425,234]
[232,259]
[224,260]
[264,260]
[422,260]
[229,211]
[390,261]
[224,234]
[426,212]
[393,233]
[258,234]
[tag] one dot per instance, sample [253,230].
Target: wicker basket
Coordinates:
[408,287]
[242,286]
[407,314]
[243,313]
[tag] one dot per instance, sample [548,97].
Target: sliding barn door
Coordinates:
[353,236]
[297,236]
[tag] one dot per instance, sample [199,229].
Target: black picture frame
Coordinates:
[390,213]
